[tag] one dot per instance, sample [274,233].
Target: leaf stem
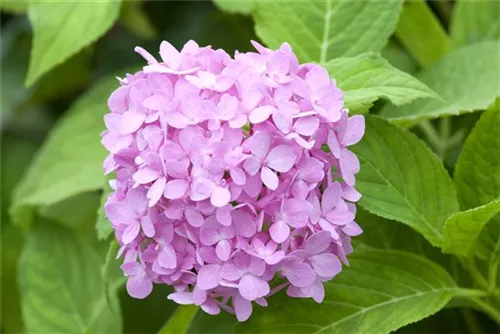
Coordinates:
[493,275]
[488,309]
[433,137]
[471,293]
[471,321]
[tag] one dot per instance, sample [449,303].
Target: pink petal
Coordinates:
[252,287]
[220,196]
[223,215]
[130,233]
[244,223]
[223,250]
[318,242]
[275,257]
[209,276]
[170,55]
[281,158]
[252,166]
[147,227]
[326,264]
[352,229]
[210,307]
[167,257]
[334,144]
[331,196]
[238,176]
[175,189]
[242,307]
[259,144]
[261,114]
[306,126]
[231,272]
[209,236]
[355,130]
[279,231]
[145,175]
[269,178]
[156,190]
[182,298]
[194,217]
[300,274]
[131,122]
[253,187]
[139,286]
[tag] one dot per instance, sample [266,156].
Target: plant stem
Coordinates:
[488,309]
[470,293]
[471,321]
[432,137]
[493,274]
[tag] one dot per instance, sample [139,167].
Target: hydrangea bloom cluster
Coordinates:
[233,177]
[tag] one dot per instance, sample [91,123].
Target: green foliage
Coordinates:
[180,321]
[475,21]
[462,229]
[420,32]
[134,18]
[103,226]
[368,77]
[373,295]
[455,78]
[61,285]
[401,179]
[235,7]
[62,29]
[322,30]
[70,161]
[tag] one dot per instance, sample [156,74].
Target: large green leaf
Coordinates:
[467,80]
[421,33]
[375,294]
[477,176]
[401,179]
[398,57]
[180,321]
[243,7]
[61,29]
[322,30]
[462,229]
[61,286]
[70,161]
[368,77]
[475,21]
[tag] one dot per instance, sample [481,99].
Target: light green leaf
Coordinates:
[475,21]
[467,80]
[368,77]
[70,161]
[14,6]
[375,294]
[398,57]
[61,29]
[103,226]
[462,229]
[401,179]
[180,321]
[235,7]
[420,32]
[319,31]
[61,286]
[477,176]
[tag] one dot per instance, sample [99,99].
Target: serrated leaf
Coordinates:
[368,77]
[462,229]
[477,176]
[61,29]
[322,30]
[61,285]
[375,294]
[401,179]
[467,80]
[70,161]
[421,33]
[475,21]
[235,7]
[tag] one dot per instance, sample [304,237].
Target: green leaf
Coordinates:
[401,179]
[14,6]
[477,173]
[467,80]
[61,285]
[462,229]
[180,321]
[375,294]
[136,19]
[319,31]
[103,226]
[368,77]
[70,161]
[475,21]
[477,176]
[398,57]
[420,32]
[235,7]
[61,29]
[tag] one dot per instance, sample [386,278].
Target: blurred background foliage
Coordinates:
[29,113]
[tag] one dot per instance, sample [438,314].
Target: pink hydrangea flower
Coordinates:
[224,189]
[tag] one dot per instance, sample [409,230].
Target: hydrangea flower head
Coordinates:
[224,189]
